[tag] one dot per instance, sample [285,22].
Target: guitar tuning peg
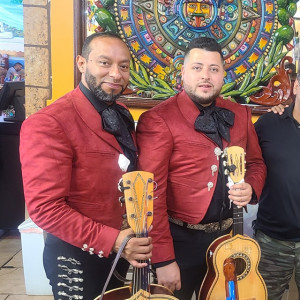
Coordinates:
[226,172]
[225,163]
[122,200]
[120,185]
[231,168]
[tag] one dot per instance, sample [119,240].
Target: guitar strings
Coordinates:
[141,276]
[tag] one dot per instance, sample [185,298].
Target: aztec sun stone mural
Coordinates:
[159,31]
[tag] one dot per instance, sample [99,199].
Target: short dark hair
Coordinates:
[86,44]
[205,43]
[17,63]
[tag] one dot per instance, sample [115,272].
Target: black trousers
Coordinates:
[190,253]
[75,274]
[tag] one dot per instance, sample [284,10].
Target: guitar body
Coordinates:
[246,253]
[157,292]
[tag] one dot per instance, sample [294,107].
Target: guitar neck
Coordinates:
[140,279]
[237,227]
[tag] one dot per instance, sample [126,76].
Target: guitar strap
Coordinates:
[124,243]
[224,193]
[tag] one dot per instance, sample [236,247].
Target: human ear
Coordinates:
[81,63]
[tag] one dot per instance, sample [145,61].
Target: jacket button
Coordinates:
[84,247]
[217,152]
[209,185]
[214,169]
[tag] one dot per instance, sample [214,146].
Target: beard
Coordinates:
[199,99]
[98,91]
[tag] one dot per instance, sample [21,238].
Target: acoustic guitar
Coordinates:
[232,261]
[138,198]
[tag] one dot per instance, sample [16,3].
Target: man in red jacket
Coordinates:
[73,154]
[181,141]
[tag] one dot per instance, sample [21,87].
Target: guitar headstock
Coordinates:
[138,193]
[235,163]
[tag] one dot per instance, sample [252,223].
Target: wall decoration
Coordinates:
[11,27]
[254,34]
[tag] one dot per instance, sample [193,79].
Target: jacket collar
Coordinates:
[190,111]
[187,107]
[92,118]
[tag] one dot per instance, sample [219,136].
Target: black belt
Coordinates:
[210,227]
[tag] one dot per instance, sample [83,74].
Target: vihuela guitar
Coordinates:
[232,261]
[138,198]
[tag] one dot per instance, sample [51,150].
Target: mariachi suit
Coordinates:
[185,164]
[70,174]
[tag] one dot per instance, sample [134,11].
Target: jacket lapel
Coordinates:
[93,119]
[190,111]
[187,107]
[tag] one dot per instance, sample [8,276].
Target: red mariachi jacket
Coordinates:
[183,161]
[71,173]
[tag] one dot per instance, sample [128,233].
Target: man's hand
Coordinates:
[240,193]
[169,276]
[279,109]
[136,248]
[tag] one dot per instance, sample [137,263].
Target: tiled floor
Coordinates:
[12,286]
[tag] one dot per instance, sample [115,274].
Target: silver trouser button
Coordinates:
[214,169]
[209,185]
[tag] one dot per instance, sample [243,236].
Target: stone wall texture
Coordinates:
[37,55]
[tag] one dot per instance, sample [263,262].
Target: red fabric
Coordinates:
[181,160]
[70,173]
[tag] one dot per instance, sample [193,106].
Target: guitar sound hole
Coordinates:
[242,265]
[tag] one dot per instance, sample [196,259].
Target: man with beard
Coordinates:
[73,154]
[181,141]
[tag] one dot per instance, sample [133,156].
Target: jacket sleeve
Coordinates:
[47,159]
[256,170]
[155,146]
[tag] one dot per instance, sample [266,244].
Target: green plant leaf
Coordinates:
[227,87]
[145,74]
[251,91]
[138,78]
[245,82]
[163,84]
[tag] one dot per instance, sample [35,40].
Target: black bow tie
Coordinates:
[215,122]
[118,121]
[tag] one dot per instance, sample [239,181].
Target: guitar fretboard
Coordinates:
[237,220]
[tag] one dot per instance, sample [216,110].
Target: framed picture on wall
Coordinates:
[86,23]
[158,32]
